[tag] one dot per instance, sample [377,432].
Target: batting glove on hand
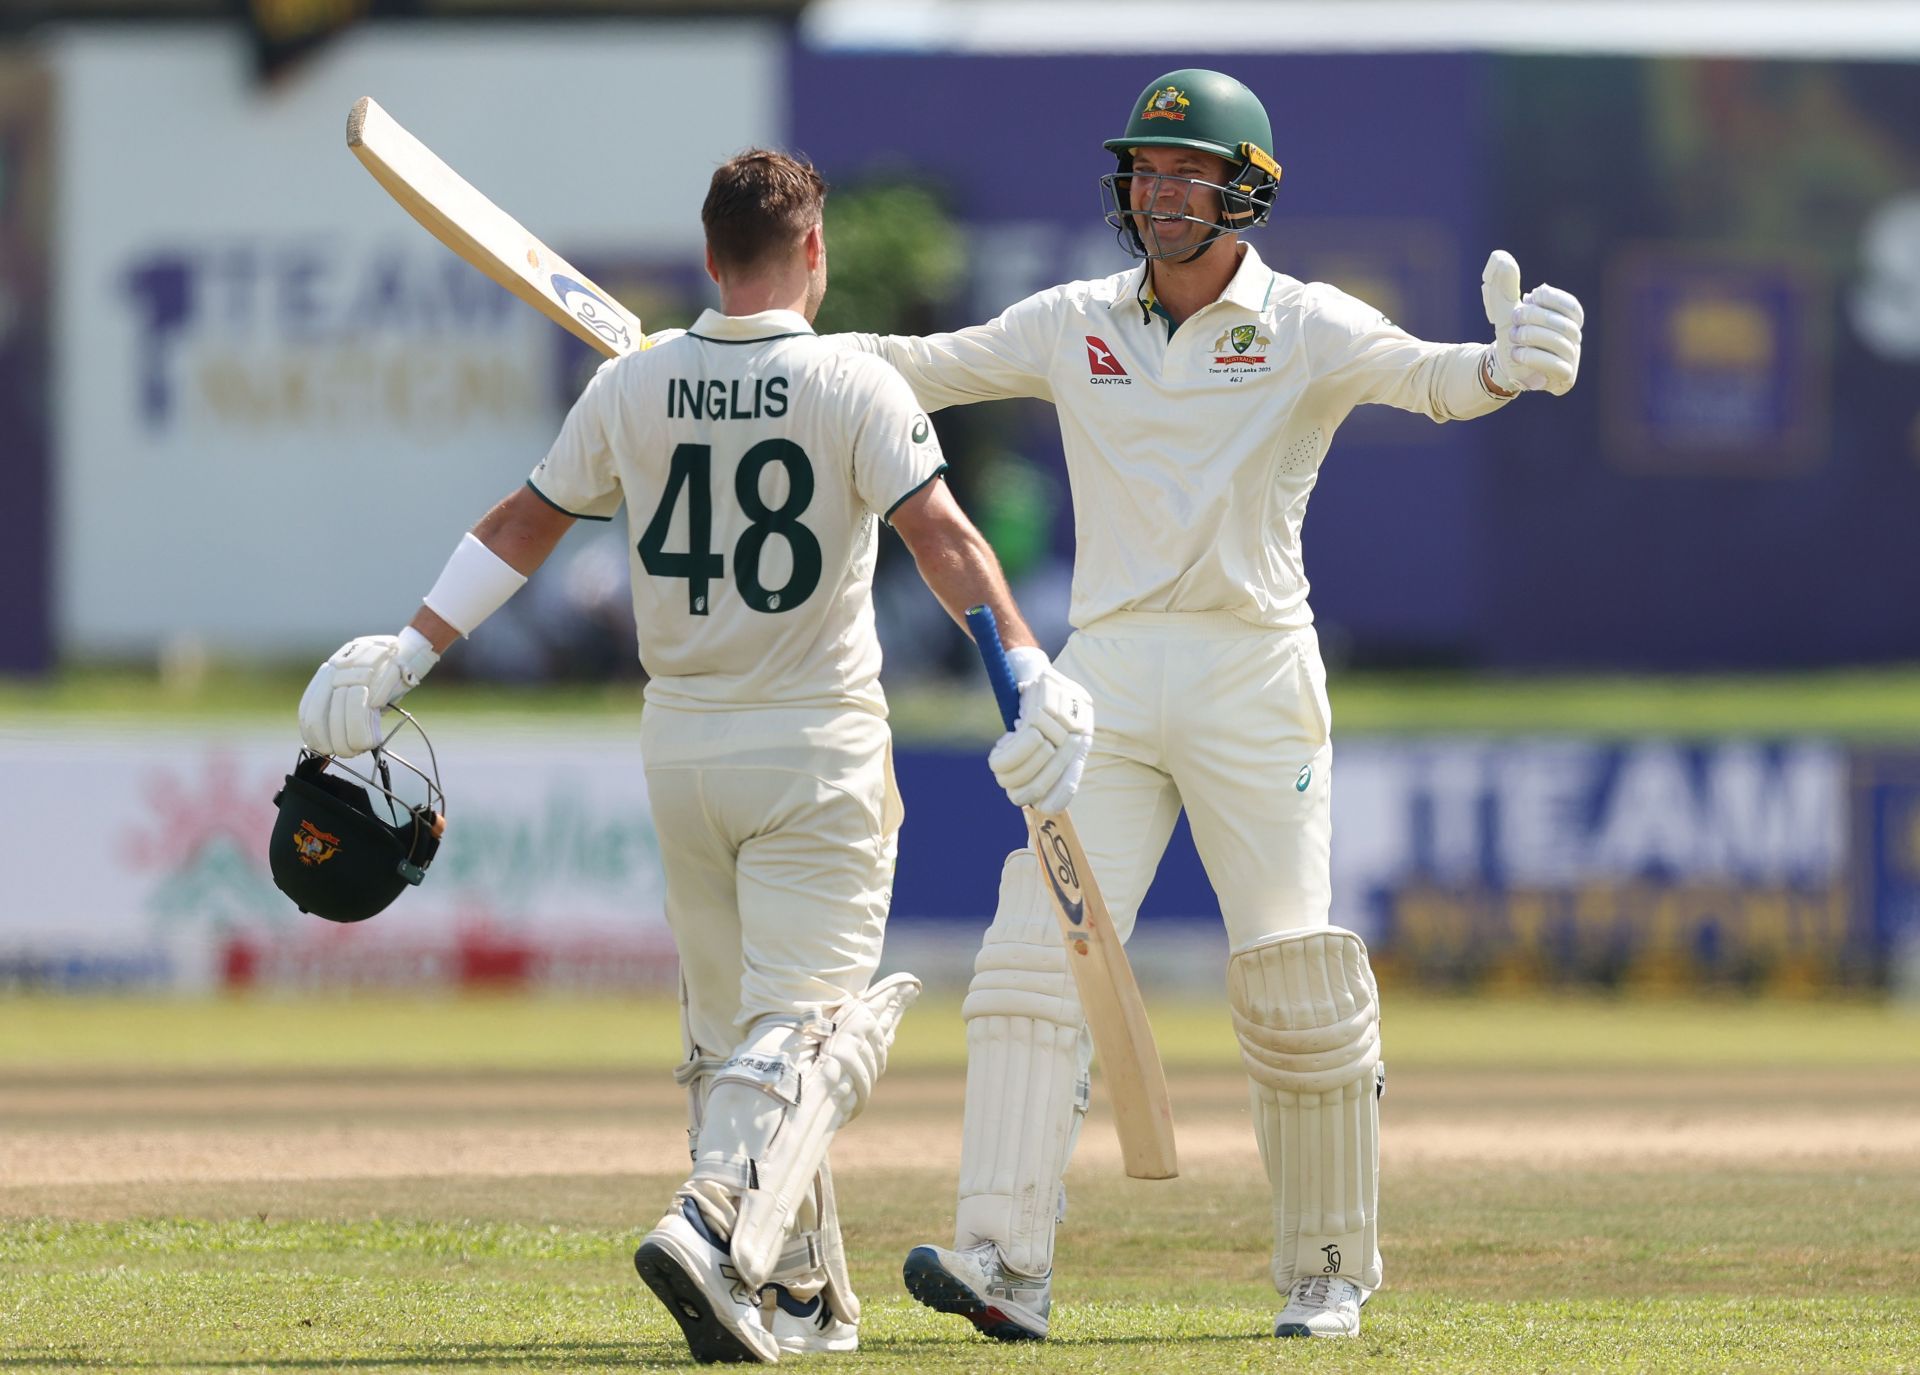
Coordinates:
[340,710]
[1039,761]
[1536,337]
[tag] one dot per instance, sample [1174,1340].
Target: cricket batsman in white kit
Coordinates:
[756,463]
[1197,396]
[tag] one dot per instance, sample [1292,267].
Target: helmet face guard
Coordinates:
[1204,111]
[333,852]
[1245,200]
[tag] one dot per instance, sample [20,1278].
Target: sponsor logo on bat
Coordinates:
[592,310]
[1062,876]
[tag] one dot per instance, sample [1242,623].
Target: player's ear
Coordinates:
[713,269]
[815,245]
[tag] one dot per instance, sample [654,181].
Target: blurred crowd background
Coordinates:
[247,406]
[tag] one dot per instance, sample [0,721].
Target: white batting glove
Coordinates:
[1039,761]
[1536,337]
[340,710]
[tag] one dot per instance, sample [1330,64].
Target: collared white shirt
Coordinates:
[1192,453]
[756,462]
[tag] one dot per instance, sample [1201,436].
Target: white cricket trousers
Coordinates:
[1229,719]
[1200,709]
[777,834]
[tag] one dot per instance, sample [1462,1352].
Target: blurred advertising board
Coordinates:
[1637,862]
[140,859]
[1742,453]
[279,401]
[1765,864]
[1465,862]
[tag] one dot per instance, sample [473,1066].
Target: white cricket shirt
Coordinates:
[1192,454]
[756,462]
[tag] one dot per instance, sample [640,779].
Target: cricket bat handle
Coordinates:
[986,637]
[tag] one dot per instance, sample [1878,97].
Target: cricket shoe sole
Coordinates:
[938,1279]
[689,1270]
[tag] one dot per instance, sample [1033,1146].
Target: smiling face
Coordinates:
[1173,198]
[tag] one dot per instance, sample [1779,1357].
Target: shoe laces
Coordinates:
[1313,1292]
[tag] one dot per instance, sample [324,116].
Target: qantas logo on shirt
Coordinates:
[1102,366]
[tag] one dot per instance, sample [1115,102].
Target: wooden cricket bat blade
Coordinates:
[485,235]
[1110,997]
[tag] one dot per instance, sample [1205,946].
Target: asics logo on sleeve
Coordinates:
[1102,366]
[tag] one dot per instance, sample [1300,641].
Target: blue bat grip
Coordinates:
[986,638]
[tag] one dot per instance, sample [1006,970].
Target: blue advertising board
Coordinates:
[1645,862]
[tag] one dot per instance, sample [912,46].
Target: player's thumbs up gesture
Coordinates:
[1039,761]
[1536,337]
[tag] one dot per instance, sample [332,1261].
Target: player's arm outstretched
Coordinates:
[1039,761]
[340,710]
[1006,357]
[1361,358]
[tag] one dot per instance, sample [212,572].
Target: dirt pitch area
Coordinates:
[96,1145]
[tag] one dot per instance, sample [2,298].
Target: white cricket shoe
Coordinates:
[690,1270]
[976,1284]
[802,1328]
[1321,1306]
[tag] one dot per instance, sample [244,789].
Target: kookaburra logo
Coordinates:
[1332,1254]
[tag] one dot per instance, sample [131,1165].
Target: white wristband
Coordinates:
[475,583]
[416,658]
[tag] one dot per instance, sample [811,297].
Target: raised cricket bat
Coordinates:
[1109,994]
[485,235]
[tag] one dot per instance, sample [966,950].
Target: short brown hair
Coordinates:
[759,204]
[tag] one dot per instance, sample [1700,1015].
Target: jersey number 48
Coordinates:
[691,471]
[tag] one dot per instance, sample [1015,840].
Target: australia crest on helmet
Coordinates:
[1168,102]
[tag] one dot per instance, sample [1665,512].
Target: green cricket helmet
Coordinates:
[334,853]
[1213,113]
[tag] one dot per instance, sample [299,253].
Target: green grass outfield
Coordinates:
[267,1032]
[1758,1263]
[1865,704]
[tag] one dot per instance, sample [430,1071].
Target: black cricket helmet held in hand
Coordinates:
[1209,112]
[332,850]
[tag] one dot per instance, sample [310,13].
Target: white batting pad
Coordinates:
[1027,1056]
[1307,1015]
[776,1104]
[814,1260]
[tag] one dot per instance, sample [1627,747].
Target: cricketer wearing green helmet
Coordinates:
[1198,394]
[1196,164]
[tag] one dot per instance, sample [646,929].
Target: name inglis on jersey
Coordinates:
[718,400]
